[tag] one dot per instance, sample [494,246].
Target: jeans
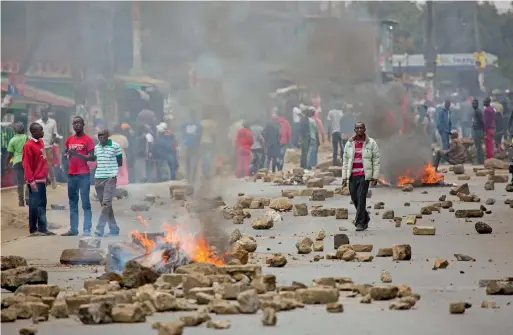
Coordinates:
[20,181]
[272,163]
[312,154]
[295,134]
[79,183]
[305,144]
[281,158]
[37,209]
[359,187]
[336,141]
[478,136]
[106,189]
[257,160]
[191,163]
[445,141]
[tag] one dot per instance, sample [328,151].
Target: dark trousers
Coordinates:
[272,163]
[257,160]
[105,190]
[305,146]
[445,140]
[20,182]
[336,141]
[359,187]
[478,136]
[79,184]
[37,209]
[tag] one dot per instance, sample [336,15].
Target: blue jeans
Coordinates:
[445,140]
[79,183]
[312,154]
[37,209]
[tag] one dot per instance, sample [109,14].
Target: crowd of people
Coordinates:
[147,151]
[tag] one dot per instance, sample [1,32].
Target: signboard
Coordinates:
[480,60]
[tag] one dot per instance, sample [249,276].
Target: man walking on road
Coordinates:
[35,168]
[361,168]
[489,127]
[50,137]
[80,150]
[15,151]
[109,157]
[443,123]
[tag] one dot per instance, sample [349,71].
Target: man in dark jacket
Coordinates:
[478,130]
[272,135]
[443,123]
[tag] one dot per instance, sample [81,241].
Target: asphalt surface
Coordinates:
[459,282]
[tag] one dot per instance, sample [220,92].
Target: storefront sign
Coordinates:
[39,69]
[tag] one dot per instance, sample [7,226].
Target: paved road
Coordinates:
[493,253]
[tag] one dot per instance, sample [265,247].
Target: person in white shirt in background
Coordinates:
[49,138]
[296,119]
[334,117]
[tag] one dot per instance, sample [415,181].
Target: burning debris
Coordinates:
[421,177]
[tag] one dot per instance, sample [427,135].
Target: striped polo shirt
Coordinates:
[358,169]
[106,159]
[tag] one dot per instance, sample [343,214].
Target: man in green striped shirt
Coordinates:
[109,157]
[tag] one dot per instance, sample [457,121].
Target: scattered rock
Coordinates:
[269,317]
[401,252]
[463,177]
[224,307]
[386,277]
[248,302]
[264,222]
[28,331]
[140,207]
[500,287]
[248,243]
[82,257]
[489,304]
[362,247]
[318,246]
[424,230]
[341,213]
[315,182]
[458,169]
[281,204]
[59,309]
[218,324]
[12,262]
[490,201]
[347,255]
[388,215]
[318,195]
[463,258]
[277,260]
[509,188]
[128,313]
[238,219]
[407,188]
[290,194]
[411,220]
[379,205]
[193,320]
[483,228]
[136,275]
[9,314]
[499,178]
[469,213]
[317,295]
[440,263]
[366,299]
[169,328]
[13,278]
[334,307]
[385,292]
[96,313]
[339,240]
[457,308]
[42,290]
[303,249]
[494,163]
[235,236]
[463,189]
[407,204]
[384,252]
[442,197]
[489,185]
[300,210]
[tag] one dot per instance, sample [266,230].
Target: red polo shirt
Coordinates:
[82,144]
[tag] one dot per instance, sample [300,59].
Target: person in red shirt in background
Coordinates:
[286,133]
[489,127]
[80,150]
[243,143]
[35,169]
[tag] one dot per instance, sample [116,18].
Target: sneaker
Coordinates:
[86,233]
[361,227]
[35,234]
[98,234]
[21,203]
[47,233]
[113,234]
[69,233]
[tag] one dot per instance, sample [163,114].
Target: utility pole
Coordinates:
[136,38]
[429,52]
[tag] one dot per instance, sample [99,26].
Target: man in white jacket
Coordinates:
[360,169]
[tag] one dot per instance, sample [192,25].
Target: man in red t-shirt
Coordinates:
[80,150]
[35,169]
[360,167]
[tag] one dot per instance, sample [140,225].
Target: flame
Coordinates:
[147,243]
[427,176]
[142,220]
[194,246]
